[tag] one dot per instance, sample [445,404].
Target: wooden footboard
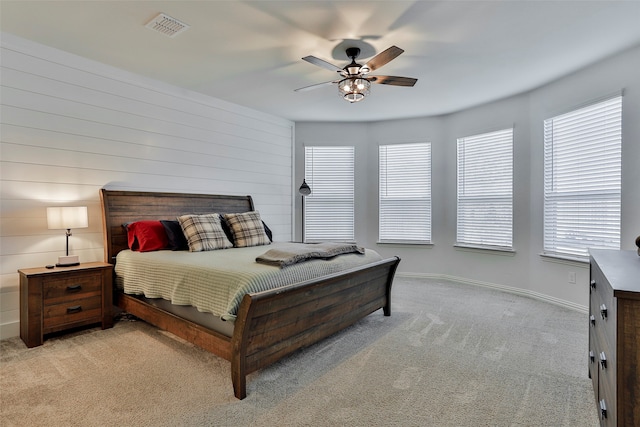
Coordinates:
[275,323]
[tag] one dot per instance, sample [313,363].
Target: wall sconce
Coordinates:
[304,190]
[60,218]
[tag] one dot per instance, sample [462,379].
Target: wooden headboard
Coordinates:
[120,207]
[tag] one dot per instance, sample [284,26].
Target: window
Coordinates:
[329,209]
[485,190]
[582,180]
[405,193]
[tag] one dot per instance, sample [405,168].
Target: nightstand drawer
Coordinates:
[71,287]
[78,310]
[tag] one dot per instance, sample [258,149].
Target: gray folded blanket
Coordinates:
[292,253]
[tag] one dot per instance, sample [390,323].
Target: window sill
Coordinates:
[404,242]
[485,249]
[313,242]
[564,259]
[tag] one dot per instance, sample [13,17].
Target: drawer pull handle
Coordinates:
[592,319]
[74,288]
[603,409]
[593,284]
[603,311]
[74,309]
[592,357]
[603,360]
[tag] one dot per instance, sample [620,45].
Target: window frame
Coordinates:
[330,173]
[416,199]
[595,140]
[469,151]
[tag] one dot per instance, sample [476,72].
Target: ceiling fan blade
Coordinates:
[315,86]
[383,57]
[393,80]
[322,63]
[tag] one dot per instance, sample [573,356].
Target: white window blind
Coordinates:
[329,209]
[405,193]
[485,190]
[582,179]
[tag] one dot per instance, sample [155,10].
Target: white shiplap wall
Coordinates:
[70,126]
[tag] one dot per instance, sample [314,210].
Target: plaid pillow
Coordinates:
[247,229]
[204,232]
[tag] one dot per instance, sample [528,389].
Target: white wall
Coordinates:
[71,126]
[525,271]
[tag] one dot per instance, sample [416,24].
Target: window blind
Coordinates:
[329,209]
[485,190]
[582,179]
[405,193]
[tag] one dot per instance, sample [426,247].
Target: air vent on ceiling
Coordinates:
[167,25]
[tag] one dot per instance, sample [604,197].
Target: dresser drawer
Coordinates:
[602,309]
[607,400]
[603,374]
[603,330]
[600,284]
[78,310]
[71,287]
[594,366]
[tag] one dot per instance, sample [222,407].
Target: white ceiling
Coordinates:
[463,53]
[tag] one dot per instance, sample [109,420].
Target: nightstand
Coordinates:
[61,298]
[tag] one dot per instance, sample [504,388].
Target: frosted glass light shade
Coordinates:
[66,217]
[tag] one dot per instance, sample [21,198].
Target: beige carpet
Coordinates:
[450,355]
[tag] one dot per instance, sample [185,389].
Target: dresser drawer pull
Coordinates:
[592,357]
[74,309]
[603,311]
[593,284]
[592,319]
[603,409]
[74,288]
[603,360]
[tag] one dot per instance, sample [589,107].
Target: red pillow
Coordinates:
[145,236]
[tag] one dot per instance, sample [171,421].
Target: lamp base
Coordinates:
[68,261]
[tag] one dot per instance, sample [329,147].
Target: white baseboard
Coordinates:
[510,289]
[9,330]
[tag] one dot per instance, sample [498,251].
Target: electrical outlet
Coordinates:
[572,277]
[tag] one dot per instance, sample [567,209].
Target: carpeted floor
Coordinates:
[449,355]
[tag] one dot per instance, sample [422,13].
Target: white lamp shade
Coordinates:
[66,217]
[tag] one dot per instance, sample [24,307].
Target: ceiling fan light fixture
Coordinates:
[354,89]
[354,85]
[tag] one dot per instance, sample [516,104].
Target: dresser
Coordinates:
[60,298]
[614,335]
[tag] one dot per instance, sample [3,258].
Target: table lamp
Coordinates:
[64,217]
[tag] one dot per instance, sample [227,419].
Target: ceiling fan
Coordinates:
[354,83]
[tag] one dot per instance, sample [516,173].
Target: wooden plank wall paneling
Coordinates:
[70,126]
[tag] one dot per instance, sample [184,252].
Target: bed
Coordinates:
[267,325]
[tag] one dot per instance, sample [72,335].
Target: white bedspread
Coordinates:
[216,281]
